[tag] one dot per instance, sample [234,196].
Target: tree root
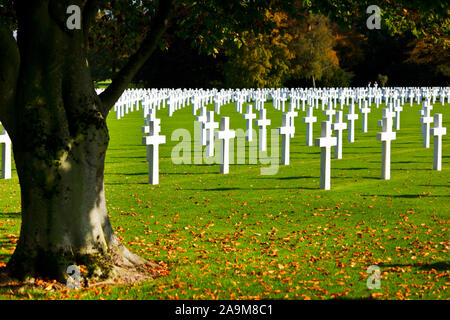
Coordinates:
[117,267]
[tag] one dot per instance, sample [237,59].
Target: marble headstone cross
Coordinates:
[5,141]
[325,142]
[427,119]
[291,115]
[249,116]
[309,120]
[153,140]
[338,127]
[351,117]
[225,134]
[286,131]
[386,136]
[397,109]
[365,115]
[438,131]
[202,120]
[330,112]
[210,126]
[262,123]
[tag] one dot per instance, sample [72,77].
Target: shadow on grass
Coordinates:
[403,161]
[435,185]
[285,178]
[410,169]
[10,285]
[250,189]
[359,153]
[127,174]
[138,157]
[438,266]
[217,189]
[185,173]
[361,147]
[406,196]
[305,153]
[125,183]
[10,215]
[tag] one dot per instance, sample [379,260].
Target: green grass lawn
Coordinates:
[252,236]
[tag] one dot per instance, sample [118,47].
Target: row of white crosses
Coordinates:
[5,142]
[176,99]
[208,125]
[357,95]
[437,131]
[287,130]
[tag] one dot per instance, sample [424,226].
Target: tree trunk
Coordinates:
[59,152]
[314,82]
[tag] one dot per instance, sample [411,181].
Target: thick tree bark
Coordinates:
[9,72]
[59,150]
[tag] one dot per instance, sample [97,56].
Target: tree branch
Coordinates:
[9,73]
[89,11]
[136,61]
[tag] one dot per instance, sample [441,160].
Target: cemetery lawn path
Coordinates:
[250,236]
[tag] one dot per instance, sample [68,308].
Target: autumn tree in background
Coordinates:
[257,60]
[294,49]
[428,52]
[432,45]
[313,48]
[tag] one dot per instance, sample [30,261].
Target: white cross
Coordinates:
[351,117]
[262,123]
[325,142]
[438,131]
[411,97]
[427,119]
[210,125]
[397,109]
[171,102]
[249,116]
[195,105]
[5,141]
[422,113]
[217,104]
[153,140]
[150,116]
[282,100]
[338,127]
[286,131]
[291,117]
[386,137]
[225,134]
[330,112]
[309,120]
[365,115]
[202,120]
